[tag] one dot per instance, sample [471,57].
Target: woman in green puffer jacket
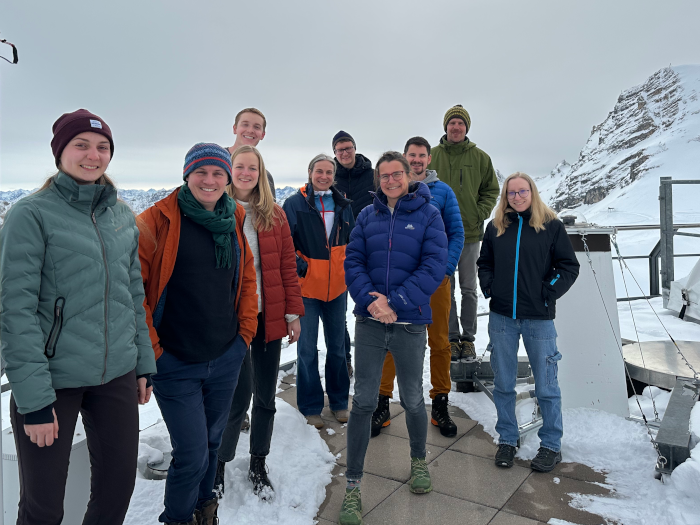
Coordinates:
[73,327]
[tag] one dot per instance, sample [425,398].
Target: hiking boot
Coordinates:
[258,476]
[350,370]
[420,477]
[207,514]
[505,455]
[193,521]
[545,460]
[219,478]
[468,350]
[351,510]
[341,415]
[440,418]
[245,426]
[315,421]
[455,351]
[381,417]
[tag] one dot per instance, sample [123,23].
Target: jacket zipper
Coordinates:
[50,348]
[555,280]
[391,235]
[517,257]
[328,246]
[104,258]
[460,178]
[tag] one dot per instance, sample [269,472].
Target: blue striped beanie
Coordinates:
[206,154]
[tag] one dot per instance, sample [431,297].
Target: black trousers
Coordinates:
[111,420]
[258,375]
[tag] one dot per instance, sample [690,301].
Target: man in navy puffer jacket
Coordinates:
[394,262]
[417,152]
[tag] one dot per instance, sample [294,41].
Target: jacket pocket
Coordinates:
[56,327]
[553,368]
[415,329]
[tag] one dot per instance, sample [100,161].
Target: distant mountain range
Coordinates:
[138,200]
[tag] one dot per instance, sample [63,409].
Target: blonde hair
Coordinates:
[261,200]
[540,213]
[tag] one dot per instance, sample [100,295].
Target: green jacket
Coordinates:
[71,294]
[470,174]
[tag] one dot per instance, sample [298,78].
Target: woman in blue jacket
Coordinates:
[394,262]
[526,264]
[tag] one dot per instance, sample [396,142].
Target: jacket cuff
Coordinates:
[39,417]
[291,317]
[149,383]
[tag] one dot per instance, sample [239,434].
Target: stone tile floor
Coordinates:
[468,489]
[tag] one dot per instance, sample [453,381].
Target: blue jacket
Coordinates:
[401,255]
[444,199]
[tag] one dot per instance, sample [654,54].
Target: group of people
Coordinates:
[190,301]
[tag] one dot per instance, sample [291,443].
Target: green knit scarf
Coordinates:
[221,222]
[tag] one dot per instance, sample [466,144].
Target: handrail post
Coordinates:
[666,223]
[654,269]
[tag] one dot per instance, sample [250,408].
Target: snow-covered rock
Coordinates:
[653,131]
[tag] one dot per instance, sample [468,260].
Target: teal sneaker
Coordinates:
[420,477]
[351,510]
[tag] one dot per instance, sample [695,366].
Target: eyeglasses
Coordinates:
[344,150]
[397,175]
[523,193]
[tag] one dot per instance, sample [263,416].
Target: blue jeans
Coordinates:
[406,342]
[194,399]
[309,390]
[540,338]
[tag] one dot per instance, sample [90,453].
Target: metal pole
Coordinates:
[654,269]
[666,222]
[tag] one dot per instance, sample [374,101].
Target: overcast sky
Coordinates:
[535,76]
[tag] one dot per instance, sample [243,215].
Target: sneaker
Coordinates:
[245,426]
[381,417]
[440,418]
[219,479]
[315,421]
[545,460]
[257,474]
[505,455]
[351,509]
[350,370]
[455,351]
[341,415]
[420,477]
[468,350]
[207,514]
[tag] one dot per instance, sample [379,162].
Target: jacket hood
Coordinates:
[361,163]
[456,149]
[513,215]
[418,194]
[430,177]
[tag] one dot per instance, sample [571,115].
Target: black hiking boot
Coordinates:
[440,417]
[381,417]
[257,474]
[219,479]
[207,514]
[505,455]
[545,460]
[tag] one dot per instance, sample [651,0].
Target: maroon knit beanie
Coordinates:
[69,125]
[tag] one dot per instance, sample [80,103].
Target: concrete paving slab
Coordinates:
[578,471]
[436,509]
[375,489]
[290,379]
[290,396]
[475,479]
[504,518]
[337,440]
[541,497]
[398,428]
[390,457]
[321,521]
[284,386]
[478,443]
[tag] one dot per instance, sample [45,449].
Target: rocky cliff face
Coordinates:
[650,125]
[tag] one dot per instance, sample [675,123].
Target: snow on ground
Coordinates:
[300,468]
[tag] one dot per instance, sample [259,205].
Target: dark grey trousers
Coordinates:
[466,270]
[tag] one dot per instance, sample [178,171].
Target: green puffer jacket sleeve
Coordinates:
[22,251]
[145,361]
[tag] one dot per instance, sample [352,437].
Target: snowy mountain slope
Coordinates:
[653,131]
[138,200]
